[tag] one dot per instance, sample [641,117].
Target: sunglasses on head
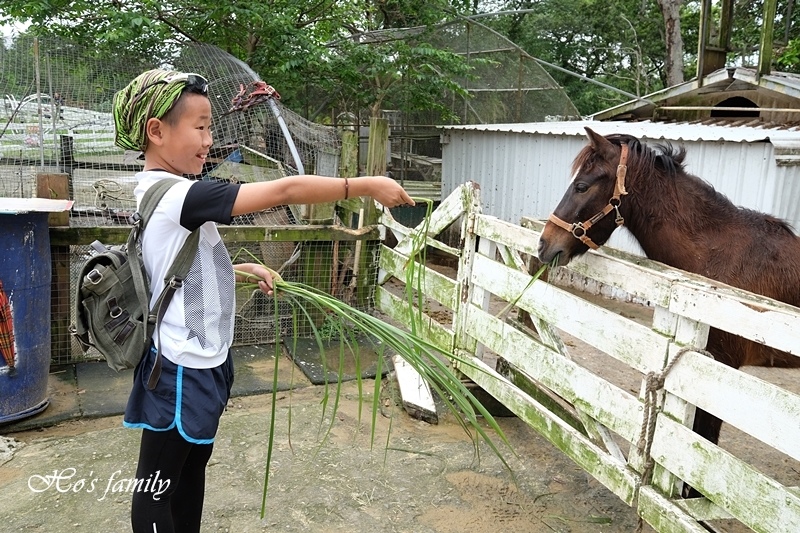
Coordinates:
[196,83]
[192,82]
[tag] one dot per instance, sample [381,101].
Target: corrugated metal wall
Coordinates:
[525,174]
[520,174]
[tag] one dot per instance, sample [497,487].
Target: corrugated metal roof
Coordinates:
[725,79]
[686,131]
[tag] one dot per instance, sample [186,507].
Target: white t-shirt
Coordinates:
[197,329]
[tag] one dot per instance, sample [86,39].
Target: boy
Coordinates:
[167,115]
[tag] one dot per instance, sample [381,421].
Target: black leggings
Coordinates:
[179,507]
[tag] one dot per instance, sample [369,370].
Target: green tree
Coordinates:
[305,48]
[619,43]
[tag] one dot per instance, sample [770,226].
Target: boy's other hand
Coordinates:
[264,276]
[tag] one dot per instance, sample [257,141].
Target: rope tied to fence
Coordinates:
[106,189]
[654,384]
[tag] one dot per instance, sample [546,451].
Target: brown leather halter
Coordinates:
[579,229]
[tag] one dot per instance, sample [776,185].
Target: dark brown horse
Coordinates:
[682,221]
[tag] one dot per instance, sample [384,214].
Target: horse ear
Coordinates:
[600,144]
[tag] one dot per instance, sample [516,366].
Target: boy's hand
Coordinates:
[264,276]
[388,192]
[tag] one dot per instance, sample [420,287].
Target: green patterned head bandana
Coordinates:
[149,95]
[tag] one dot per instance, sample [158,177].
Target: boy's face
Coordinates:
[184,142]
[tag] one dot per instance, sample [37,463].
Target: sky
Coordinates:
[7,30]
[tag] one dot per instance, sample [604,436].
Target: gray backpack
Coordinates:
[112,301]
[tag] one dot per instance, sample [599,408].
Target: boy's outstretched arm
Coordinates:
[317,189]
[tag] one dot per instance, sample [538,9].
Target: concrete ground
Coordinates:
[69,467]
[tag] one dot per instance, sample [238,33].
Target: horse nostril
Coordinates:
[541,249]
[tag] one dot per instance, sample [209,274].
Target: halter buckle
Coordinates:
[578,230]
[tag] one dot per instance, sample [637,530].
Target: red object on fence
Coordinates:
[259,92]
[6,329]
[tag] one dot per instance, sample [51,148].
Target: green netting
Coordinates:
[507,84]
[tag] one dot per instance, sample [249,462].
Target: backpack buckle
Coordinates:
[135,219]
[94,276]
[113,308]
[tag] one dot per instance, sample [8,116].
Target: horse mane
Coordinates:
[646,159]
[663,157]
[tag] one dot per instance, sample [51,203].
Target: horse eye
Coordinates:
[581,187]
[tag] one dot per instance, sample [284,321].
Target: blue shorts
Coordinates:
[189,399]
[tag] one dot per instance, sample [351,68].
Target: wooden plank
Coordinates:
[754,317]
[425,327]
[610,472]
[702,509]
[434,285]
[664,515]
[415,392]
[639,277]
[54,187]
[604,402]
[448,212]
[623,339]
[469,293]
[756,500]
[772,413]
[549,400]
[401,232]
[511,235]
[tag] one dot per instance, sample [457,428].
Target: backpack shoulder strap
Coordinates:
[152,196]
[173,281]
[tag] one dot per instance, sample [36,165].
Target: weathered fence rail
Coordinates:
[602,430]
[29,140]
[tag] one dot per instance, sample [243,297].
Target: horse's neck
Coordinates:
[659,222]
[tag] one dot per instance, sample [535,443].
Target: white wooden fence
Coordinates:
[608,418]
[30,141]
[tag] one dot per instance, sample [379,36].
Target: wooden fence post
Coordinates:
[348,164]
[687,333]
[56,187]
[377,147]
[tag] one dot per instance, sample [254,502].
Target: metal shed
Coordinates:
[523,169]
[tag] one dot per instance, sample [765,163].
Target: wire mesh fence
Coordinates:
[57,139]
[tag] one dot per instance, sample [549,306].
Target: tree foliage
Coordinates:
[329,56]
[619,43]
[294,45]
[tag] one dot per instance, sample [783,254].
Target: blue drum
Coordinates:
[24,314]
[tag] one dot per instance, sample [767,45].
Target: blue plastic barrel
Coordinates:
[25,277]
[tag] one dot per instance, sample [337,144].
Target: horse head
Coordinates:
[589,210]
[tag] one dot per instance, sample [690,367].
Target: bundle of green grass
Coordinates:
[428,360]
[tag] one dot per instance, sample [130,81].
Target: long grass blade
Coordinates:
[273,409]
